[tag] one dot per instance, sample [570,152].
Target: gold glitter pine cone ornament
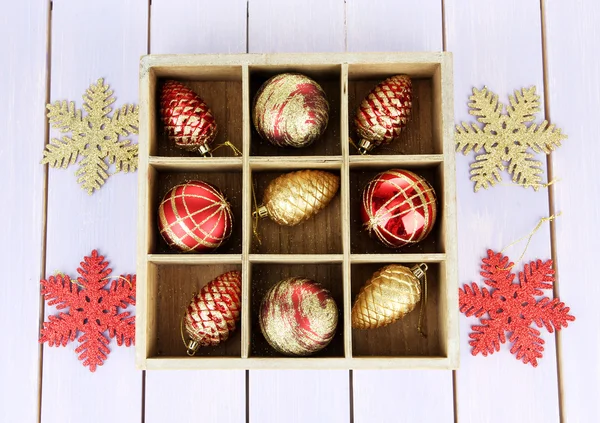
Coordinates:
[290,110]
[211,316]
[297,196]
[391,293]
[383,113]
[189,122]
[298,317]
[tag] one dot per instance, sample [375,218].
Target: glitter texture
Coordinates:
[195,217]
[399,208]
[391,293]
[188,120]
[290,110]
[298,317]
[212,314]
[384,112]
[297,196]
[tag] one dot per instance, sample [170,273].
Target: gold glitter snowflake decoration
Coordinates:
[94,136]
[506,138]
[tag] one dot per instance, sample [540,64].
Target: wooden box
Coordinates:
[331,248]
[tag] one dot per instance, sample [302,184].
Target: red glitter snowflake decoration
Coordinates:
[512,308]
[92,310]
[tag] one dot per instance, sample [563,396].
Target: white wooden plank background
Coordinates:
[573,66]
[92,40]
[392,29]
[22,99]
[498,44]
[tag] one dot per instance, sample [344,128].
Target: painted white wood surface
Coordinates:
[498,44]
[92,40]
[285,395]
[295,26]
[382,395]
[573,66]
[189,26]
[23,95]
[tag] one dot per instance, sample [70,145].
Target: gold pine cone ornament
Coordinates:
[297,196]
[391,293]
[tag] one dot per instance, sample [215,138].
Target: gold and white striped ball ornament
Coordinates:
[298,317]
[290,110]
[383,113]
[391,293]
[211,316]
[294,197]
[195,217]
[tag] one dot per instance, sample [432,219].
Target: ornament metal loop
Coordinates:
[419,270]
[192,347]
[364,146]
[261,212]
[204,150]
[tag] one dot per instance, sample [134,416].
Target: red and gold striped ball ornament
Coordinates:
[383,113]
[290,110]
[194,217]
[398,208]
[298,317]
[211,316]
[188,120]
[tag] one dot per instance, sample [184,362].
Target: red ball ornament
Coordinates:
[194,217]
[383,113]
[188,120]
[399,208]
[298,317]
[212,314]
[290,110]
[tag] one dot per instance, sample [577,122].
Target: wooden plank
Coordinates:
[298,396]
[295,26]
[498,44]
[23,30]
[573,93]
[89,41]
[187,26]
[378,396]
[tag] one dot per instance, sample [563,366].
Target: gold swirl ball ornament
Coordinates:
[290,110]
[297,196]
[298,317]
[391,293]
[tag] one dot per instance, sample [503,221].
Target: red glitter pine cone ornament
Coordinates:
[383,113]
[213,313]
[398,208]
[290,110]
[194,217]
[298,317]
[188,120]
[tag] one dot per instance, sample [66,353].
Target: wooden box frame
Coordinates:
[332,249]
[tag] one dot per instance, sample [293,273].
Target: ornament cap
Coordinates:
[364,146]
[419,270]
[192,347]
[204,150]
[261,212]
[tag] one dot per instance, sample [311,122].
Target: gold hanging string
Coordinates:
[119,278]
[422,325]
[58,273]
[192,346]
[528,237]
[256,217]
[353,144]
[235,150]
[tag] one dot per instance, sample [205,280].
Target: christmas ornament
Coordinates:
[213,312]
[506,138]
[512,307]
[391,293]
[290,110]
[297,196]
[188,120]
[383,113]
[399,208]
[92,310]
[298,317]
[194,217]
[94,136]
